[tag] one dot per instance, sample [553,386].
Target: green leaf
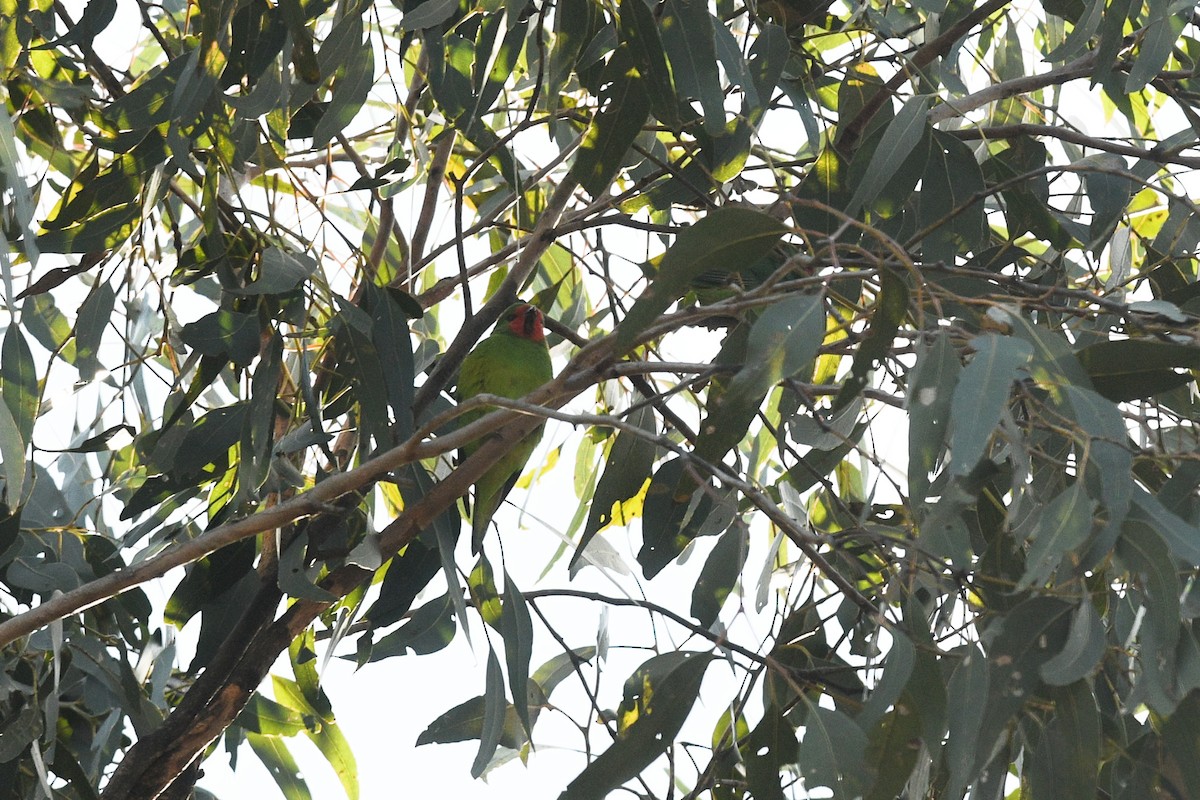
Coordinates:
[931,389]
[1158,39]
[278,760]
[428,14]
[390,311]
[832,752]
[550,674]
[719,575]
[967,693]
[783,340]
[1131,369]
[624,106]
[890,311]
[892,751]
[1143,552]
[232,334]
[280,271]
[494,707]
[637,31]
[1030,635]
[625,472]
[1061,527]
[658,698]
[352,83]
[517,629]
[1181,738]
[770,747]
[264,716]
[464,722]
[407,574]
[676,511]
[1082,651]
[430,628]
[952,184]
[1066,761]
[687,37]
[900,139]
[1180,535]
[981,396]
[48,325]
[94,316]
[896,673]
[12,454]
[729,235]
[19,382]
[332,743]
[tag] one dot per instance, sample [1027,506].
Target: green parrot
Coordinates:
[512,362]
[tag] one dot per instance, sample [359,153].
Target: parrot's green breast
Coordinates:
[511,366]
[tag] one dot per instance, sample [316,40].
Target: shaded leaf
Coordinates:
[430,628]
[517,629]
[729,235]
[658,698]
[719,575]
[1082,651]
[981,395]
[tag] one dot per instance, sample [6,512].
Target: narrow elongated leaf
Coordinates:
[12,453]
[687,36]
[967,693]
[1129,369]
[658,698]
[624,106]
[332,743]
[263,715]
[981,395]
[94,316]
[1062,526]
[430,628]
[494,706]
[931,389]
[464,722]
[637,30]
[550,674]
[18,379]
[832,751]
[625,473]
[1083,649]
[784,339]
[278,760]
[901,136]
[719,575]
[517,629]
[1065,763]
[729,235]
[890,311]
[1180,535]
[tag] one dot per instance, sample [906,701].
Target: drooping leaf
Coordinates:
[517,629]
[832,751]
[1067,758]
[729,235]
[625,473]
[658,698]
[719,574]
[624,106]
[980,397]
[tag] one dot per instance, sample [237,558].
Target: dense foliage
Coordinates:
[875,329]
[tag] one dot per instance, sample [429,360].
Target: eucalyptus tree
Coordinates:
[874,329]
